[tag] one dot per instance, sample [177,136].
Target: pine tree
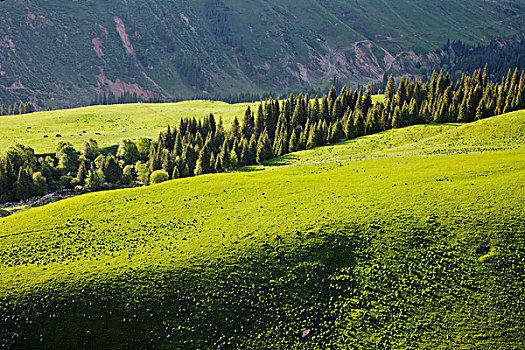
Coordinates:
[167,161]
[502,98]
[218,165]
[213,163]
[292,144]
[401,95]
[248,124]
[112,171]
[433,88]
[178,144]
[359,124]
[332,95]
[463,115]
[176,173]
[264,149]
[520,96]
[314,136]
[225,155]
[349,127]
[367,100]
[303,136]
[441,114]
[397,118]
[481,111]
[253,150]
[233,159]
[260,122]
[272,118]
[82,174]
[155,161]
[338,133]
[413,113]
[235,130]
[24,187]
[203,165]
[337,110]
[440,84]
[315,113]
[325,114]
[298,117]
[390,91]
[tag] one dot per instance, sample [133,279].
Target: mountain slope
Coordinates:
[394,253]
[59,53]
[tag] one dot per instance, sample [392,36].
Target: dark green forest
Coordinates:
[277,127]
[499,55]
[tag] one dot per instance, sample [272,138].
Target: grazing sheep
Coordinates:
[45,136]
[58,135]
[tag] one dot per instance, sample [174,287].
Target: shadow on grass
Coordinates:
[262,297]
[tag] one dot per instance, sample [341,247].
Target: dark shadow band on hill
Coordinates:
[413,283]
[245,300]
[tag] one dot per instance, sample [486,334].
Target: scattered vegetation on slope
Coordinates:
[211,46]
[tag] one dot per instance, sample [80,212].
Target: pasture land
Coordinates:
[400,252]
[107,124]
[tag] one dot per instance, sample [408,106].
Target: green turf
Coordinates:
[137,120]
[400,252]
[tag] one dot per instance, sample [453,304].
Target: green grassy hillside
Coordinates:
[394,253]
[501,132]
[61,53]
[137,120]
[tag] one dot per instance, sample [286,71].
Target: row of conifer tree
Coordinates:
[274,128]
[279,127]
[17,108]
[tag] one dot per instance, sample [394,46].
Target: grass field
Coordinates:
[497,133]
[137,120]
[399,253]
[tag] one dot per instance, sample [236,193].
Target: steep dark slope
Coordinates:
[60,53]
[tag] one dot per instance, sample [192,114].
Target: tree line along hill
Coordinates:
[198,147]
[17,108]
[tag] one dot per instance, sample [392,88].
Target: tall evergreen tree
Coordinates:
[367,100]
[225,155]
[24,187]
[264,148]
[390,92]
[82,174]
[112,170]
[248,124]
